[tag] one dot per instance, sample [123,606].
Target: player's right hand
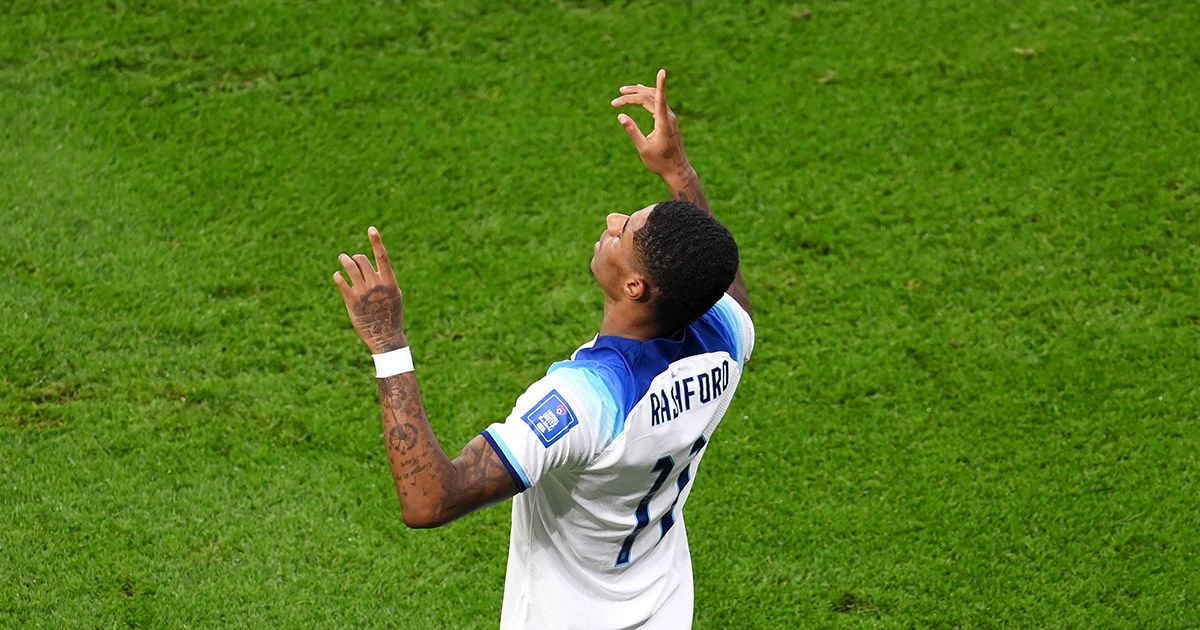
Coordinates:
[662,150]
[373,299]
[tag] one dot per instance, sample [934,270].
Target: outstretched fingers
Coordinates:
[660,96]
[381,256]
[653,100]
[358,270]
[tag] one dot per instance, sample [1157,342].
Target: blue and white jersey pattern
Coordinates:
[605,449]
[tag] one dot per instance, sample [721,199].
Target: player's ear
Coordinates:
[636,288]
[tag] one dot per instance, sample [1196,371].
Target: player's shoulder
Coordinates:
[731,321]
[598,380]
[581,378]
[729,311]
[587,378]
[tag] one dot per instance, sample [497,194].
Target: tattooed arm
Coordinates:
[433,490]
[662,153]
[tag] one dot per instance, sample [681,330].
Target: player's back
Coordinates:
[598,538]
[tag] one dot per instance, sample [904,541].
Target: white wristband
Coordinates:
[393,363]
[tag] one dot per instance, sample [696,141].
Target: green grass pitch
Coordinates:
[971,232]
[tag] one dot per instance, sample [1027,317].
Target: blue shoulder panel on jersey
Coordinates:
[625,367]
[725,320]
[594,380]
[510,462]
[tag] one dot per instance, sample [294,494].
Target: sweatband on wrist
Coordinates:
[392,363]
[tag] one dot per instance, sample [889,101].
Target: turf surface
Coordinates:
[969,231]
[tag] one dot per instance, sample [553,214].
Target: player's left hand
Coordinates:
[373,299]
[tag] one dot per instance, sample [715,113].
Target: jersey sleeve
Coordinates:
[733,320]
[560,421]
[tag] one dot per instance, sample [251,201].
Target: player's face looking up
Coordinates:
[615,262]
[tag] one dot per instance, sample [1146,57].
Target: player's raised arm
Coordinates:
[662,153]
[433,490]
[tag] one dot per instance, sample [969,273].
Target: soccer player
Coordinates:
[601,453]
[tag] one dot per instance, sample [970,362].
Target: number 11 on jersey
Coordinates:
[663,467]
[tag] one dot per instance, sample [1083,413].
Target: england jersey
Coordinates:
[605,450]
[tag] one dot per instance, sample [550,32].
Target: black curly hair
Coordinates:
[690,258]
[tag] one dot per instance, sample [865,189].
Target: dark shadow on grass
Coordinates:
[855,603]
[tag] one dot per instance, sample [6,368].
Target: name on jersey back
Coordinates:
[696,389]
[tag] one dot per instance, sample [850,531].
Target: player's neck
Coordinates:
[627,320]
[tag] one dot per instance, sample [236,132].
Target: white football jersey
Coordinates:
[604,450]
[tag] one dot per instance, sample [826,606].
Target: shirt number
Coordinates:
[663,467]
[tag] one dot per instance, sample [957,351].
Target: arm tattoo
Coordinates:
[399,395]
[416,470]
[402,437]
[481,471]
[432,489]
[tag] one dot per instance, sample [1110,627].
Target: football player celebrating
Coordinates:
[601,453]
